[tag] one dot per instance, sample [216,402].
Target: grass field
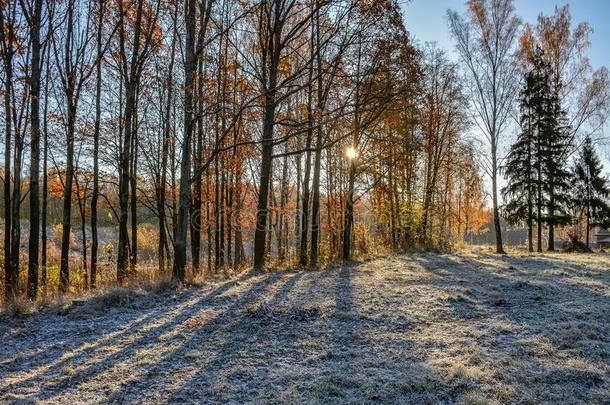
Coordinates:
[469,327]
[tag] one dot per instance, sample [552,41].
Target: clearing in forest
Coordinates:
[468,327]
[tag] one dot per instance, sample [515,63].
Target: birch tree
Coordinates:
[485,38]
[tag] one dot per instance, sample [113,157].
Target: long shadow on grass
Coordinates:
[126,353]
[370,359]
[345,314]
[243,334]
[258,345]
[61,350]
[185,357]
[344,325]
[49,348]
[72,346]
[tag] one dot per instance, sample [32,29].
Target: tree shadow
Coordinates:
[355,333]
[243,330]
[89,348]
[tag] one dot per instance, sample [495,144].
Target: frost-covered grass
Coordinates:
[469,327]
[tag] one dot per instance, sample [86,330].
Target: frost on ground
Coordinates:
[470,327]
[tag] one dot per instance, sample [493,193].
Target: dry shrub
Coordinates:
[199,278]
[148,241]
[54,252]
[145,277]
[58,234]
[111,297]
[20,307]
[108,250]
[115,296]
[120,296]
[164,285]
[458,244]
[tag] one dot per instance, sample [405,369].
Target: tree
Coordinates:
[96,143]
[45,184]
[280,23]
[555,148]
[33,15]
[214,119]
[590,188]
[11,44]
[194,47]
[522,160]
[161,180]
[74,63]
[143,25]
[535,166]
[443,118]
[326,70]
[485,39]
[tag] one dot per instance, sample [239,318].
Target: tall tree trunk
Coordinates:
[297,216]
[304,214]
[124,182]
[530,241]
[64,272]
[265,181]
[349,212]
[208,219]
[133,176]
[6,38]
[162,187]
[429,186]
[281,215]
[551,212]
[196,221]
[217,209]
[315,205]
[494,195]
[266,166]
[530,197]
[349,200]
[82,201]
[34,239]
[229,211]
[130,78]
[185,165]
[270,224]
[15,215]
[239,247]
[173,167]
[96,145]
[222,208]
[539,230]
[45,187]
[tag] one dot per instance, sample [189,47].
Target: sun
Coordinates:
[351,153]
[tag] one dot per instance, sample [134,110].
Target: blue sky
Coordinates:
[426,21]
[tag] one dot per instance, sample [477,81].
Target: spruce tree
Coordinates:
[590,189]
[535,168]
[557,178]
[520,191]
[541,72]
